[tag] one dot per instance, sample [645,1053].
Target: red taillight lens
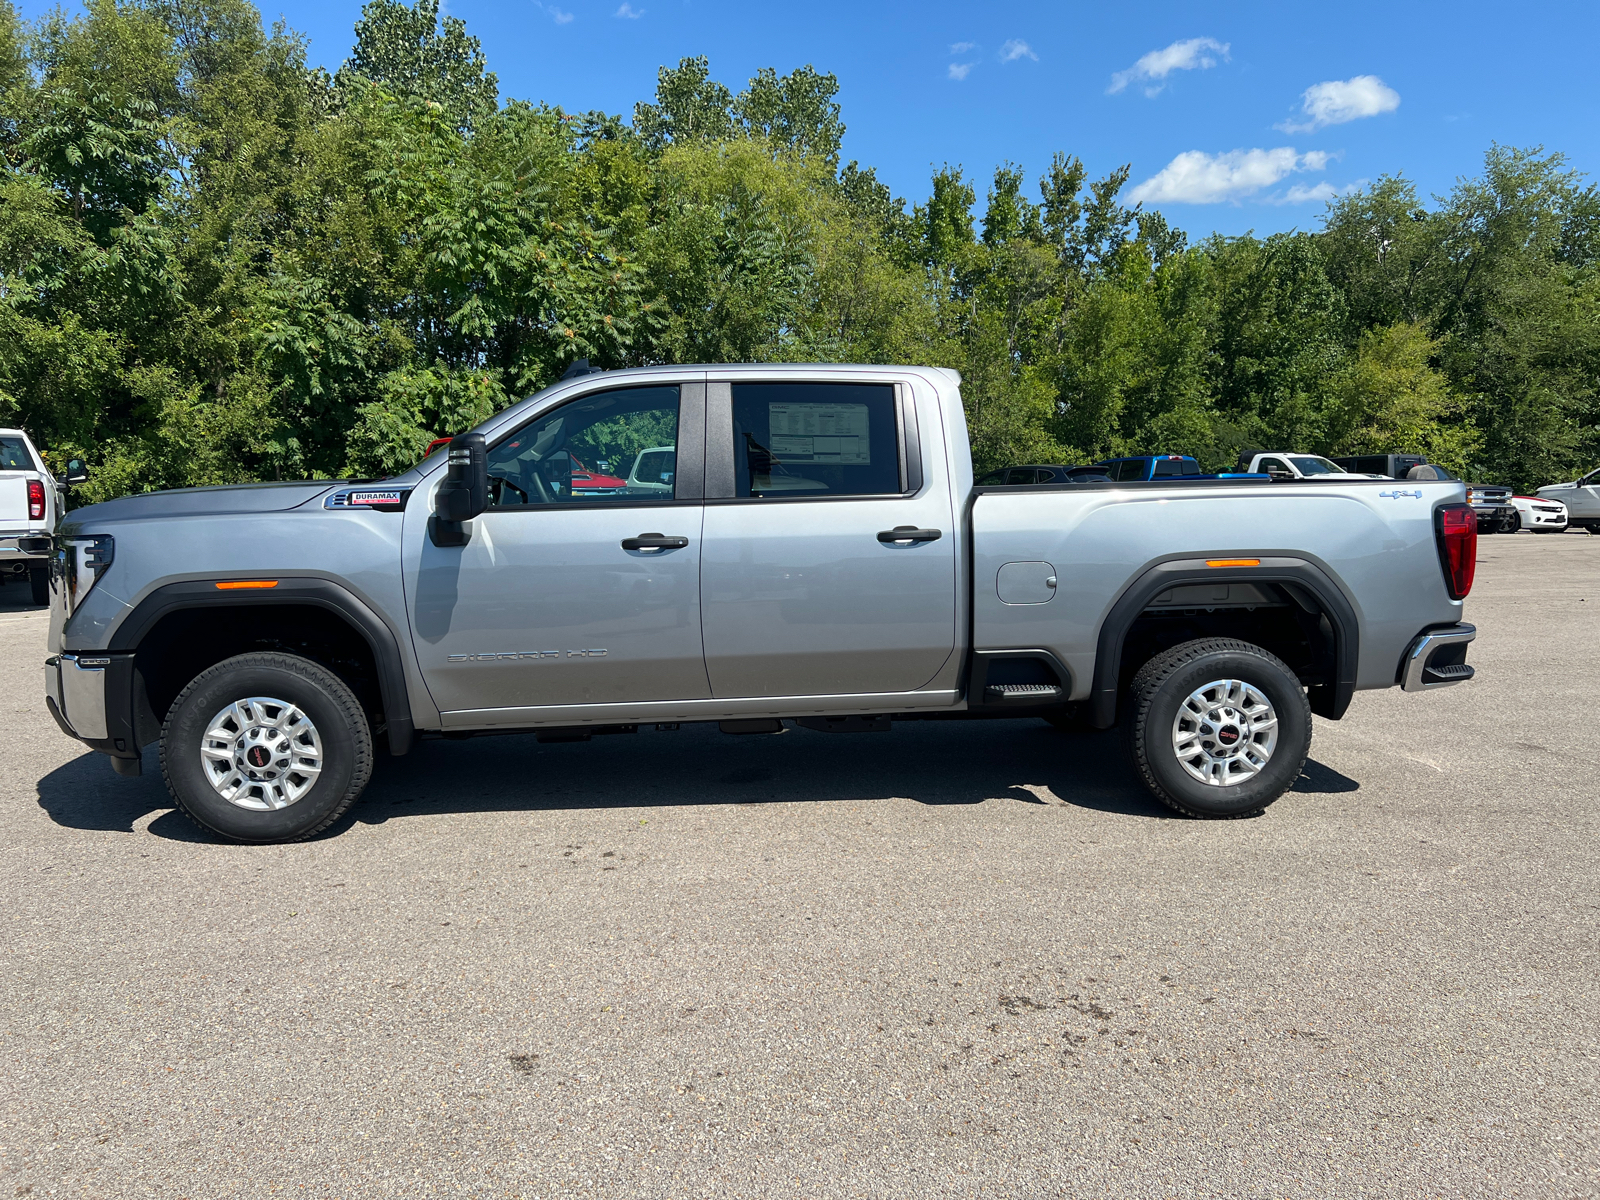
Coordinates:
[35,500]
[1457,528]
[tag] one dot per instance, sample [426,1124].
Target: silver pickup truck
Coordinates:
[748,545]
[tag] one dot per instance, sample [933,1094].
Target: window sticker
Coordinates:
[820,433]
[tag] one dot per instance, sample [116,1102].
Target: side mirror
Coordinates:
[76,472]
[1279,473]
[465,490]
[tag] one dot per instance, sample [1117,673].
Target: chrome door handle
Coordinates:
[907,534]
[654,541]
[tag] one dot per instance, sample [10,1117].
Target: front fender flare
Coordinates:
[312,591]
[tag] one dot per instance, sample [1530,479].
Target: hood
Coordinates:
[204,501]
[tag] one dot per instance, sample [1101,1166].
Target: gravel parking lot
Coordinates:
[953,960]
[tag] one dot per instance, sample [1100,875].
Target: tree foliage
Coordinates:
[217,264]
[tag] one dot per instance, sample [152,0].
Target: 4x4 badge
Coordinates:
[1396,495]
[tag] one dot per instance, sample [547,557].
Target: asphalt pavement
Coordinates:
[958,959]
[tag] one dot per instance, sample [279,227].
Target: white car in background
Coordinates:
[1539,514]
[654,471]
[31,502]
[1581,498]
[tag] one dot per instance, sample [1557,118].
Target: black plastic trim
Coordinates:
[1326,701]
[308,590]
[978,676]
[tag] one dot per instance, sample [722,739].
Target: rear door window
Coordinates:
[14,455]
[803,440]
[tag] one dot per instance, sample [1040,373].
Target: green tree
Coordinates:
[410,52]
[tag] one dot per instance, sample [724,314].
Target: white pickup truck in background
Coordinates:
[30,503]
[1296,466]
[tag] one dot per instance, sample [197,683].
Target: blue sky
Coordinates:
[1233,116]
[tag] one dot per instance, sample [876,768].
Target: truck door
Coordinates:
[807,590]
[575,587]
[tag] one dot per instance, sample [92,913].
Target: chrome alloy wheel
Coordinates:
[261,753]
[1225,732]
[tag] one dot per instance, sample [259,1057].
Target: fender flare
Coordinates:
[1329,701]
[311,591]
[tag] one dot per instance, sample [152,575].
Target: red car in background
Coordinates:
[592,483]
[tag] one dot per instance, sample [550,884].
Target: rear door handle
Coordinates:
[654,541]
[908,533]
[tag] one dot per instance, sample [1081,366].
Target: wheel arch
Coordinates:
[285,599]
[1306,584]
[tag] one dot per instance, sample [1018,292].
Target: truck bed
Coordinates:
[1102,543]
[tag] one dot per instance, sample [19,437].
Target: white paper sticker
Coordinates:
[820,433]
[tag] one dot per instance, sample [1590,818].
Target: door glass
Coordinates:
[607,447]
[1130,470]
[992,479]
[798,440]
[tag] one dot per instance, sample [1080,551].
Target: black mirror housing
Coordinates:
[77,472]
[465,490]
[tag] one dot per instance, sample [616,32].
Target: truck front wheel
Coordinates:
[1219,728]
[266,747]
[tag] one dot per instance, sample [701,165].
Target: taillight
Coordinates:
[1457,527]
[35,500]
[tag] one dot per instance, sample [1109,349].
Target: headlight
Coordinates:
[79,562]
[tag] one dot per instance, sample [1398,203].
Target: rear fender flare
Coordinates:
[1298,573]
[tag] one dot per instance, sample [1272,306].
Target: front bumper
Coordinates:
[75,694]
[1437,658]
[1496,518]
[81,692]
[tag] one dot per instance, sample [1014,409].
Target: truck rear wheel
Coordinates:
[1219,728]
[266,747]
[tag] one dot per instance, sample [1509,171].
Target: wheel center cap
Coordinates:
[1228,735]
[258,756]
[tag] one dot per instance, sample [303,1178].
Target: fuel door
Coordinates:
[1026,583]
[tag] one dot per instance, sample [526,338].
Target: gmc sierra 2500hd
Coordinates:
[805,544]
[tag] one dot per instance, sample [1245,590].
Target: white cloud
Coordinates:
[962,47]
[1324,191]
[959,71]
[1341,100]
[556,15]
[1016,48]
[1195,177]
[629,12]
[1196,53]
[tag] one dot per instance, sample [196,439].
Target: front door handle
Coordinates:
[654,541]
[908,533]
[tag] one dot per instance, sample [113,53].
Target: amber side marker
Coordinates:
[230,585]
[1210,562]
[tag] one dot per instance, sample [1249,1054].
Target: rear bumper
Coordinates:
[13,555]
[1437,658]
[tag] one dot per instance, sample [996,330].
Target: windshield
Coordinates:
[14,455]
[1309,465]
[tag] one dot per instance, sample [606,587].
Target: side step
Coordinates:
[1455,673]
[1023,693]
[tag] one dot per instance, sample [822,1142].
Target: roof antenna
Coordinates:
[580,366]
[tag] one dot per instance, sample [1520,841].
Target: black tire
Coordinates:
[341,726]
[39,580]
[1167,680]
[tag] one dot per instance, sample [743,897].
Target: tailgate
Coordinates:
[13,500]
